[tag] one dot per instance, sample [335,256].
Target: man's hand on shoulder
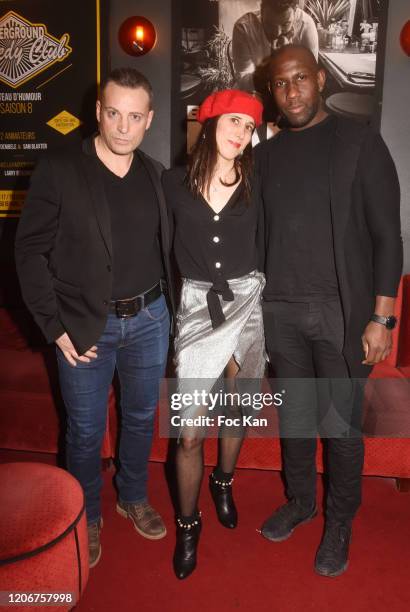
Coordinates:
[66,346]
[377,343]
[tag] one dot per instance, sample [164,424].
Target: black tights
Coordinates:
[190,467]
[190,452]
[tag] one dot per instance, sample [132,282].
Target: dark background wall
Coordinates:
[163,140]
[395,124]
[156,65]
[163,60]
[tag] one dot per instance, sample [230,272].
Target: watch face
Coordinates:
[391,322]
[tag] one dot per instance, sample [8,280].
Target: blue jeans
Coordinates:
[138,348]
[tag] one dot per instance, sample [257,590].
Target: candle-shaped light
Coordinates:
[139,35]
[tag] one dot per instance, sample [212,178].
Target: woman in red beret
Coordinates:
[219,319]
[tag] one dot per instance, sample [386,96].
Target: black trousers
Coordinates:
[304,343]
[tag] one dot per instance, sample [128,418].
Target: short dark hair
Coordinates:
[129,77]
[281,5]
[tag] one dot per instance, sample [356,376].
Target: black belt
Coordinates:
[131,306]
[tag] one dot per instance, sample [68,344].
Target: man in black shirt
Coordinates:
[92,249]
[332,255]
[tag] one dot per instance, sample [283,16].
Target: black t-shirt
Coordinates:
[134,213]
[209,246]
[294,169]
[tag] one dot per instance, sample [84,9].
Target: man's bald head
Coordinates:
[296,82]
[293,52]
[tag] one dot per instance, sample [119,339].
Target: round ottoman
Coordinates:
[43,535]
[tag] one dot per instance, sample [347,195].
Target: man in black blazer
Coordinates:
[92,253]
[332,254]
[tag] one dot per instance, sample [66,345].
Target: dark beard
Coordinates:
[300,122]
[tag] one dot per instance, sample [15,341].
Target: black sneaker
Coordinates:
[285,519]
[332,557]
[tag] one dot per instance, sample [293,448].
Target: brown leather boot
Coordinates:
[94,545]
[146,520]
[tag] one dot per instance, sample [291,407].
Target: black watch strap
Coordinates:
[389,322]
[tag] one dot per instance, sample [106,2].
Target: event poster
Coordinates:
[228,43]
[49,71]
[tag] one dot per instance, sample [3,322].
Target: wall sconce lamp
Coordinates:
[405,38]
[137,36]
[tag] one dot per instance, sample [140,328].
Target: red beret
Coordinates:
[230,101]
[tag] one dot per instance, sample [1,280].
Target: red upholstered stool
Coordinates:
[43,532]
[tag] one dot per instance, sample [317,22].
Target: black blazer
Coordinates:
[63,245]
[367,241]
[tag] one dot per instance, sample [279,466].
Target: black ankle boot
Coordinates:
[221,491]
[186,545]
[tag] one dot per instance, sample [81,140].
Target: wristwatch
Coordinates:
[389,322]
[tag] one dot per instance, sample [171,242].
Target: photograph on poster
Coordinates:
[228,43]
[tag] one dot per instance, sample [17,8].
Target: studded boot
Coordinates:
[188,533]
[221,491]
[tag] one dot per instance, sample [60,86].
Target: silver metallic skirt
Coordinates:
[202,352]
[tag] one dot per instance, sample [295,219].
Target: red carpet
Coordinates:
[239,570]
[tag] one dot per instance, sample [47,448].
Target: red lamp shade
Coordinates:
[137,36]
[405,38]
